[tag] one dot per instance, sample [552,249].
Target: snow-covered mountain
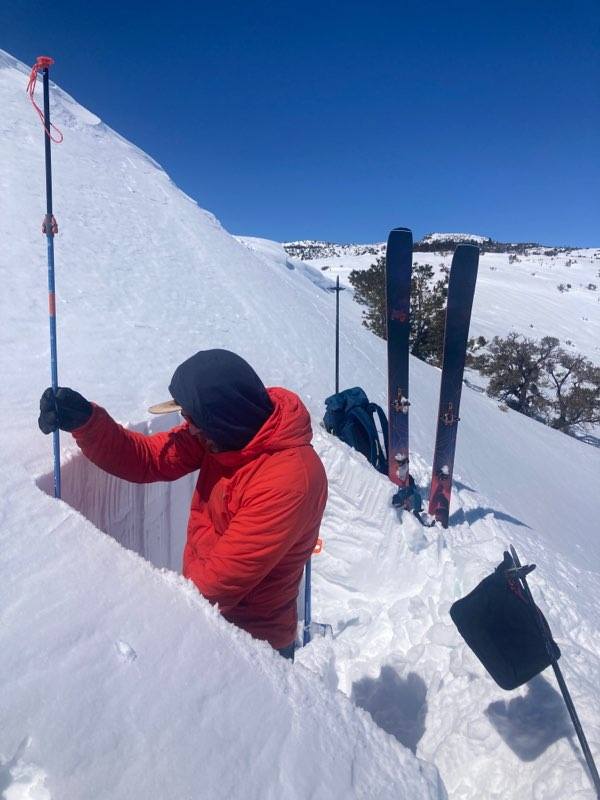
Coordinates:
[117,679]
[458,238]
[310,249]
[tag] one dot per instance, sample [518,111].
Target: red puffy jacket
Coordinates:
[255,512]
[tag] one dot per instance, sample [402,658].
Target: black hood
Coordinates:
[224,397]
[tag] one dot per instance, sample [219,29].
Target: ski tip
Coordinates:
[400,237]
[466,257]
[468,249]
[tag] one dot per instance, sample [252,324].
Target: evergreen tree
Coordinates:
[427,314]
[427,307]
[369,291]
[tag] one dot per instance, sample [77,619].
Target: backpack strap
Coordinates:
[376,455]
[373,407]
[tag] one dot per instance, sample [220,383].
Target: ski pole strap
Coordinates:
[43,62]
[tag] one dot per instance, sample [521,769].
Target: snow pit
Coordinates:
[149,518]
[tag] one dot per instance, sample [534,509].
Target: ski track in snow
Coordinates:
[125,655]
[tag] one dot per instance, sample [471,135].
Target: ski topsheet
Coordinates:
[461,288]
[398,275]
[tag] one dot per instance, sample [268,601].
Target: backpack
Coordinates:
[349,416]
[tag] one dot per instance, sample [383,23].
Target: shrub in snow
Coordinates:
[542,380]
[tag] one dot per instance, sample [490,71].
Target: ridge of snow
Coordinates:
[456,237]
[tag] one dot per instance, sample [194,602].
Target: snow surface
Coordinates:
[117,679]
[519,294]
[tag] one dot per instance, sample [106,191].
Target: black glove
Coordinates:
[66,410]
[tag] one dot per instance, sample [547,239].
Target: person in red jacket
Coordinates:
[261,492]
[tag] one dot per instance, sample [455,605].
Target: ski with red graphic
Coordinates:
[461,289]
[398,277]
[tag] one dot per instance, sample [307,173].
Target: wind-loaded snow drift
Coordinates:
[118,679]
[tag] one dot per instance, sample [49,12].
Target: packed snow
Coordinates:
[118,680]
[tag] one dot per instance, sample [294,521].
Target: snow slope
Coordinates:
[520,295]
[118,679]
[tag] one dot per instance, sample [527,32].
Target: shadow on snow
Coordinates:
[530,724]
[473,514]
[398,705]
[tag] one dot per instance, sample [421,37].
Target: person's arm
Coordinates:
[263,530]
[134,456]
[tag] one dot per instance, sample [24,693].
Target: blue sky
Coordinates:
[340,120]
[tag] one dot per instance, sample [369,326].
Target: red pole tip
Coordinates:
[43,62]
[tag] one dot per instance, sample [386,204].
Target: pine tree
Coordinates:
[427,307]
[369,291]
[427,314]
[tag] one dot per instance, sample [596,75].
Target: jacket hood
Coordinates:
[288,426]
[224,397]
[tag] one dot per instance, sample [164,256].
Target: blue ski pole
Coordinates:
[311,627]
[50,229]
[307,605]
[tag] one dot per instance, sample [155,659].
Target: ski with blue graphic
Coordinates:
[461,289]
[398,277]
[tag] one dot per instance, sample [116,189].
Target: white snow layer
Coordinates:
[117,679]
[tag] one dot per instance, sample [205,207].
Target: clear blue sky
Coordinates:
[339,120]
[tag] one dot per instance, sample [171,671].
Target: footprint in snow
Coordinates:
[126,651]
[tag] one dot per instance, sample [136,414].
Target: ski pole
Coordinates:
[50,229]
[337,334]
[559,677]
[337,289]
[307,605]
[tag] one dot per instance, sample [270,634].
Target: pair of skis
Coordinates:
[461,289]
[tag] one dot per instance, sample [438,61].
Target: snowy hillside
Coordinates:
[117,679]
[515,290]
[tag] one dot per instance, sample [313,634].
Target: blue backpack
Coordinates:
[349,416]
